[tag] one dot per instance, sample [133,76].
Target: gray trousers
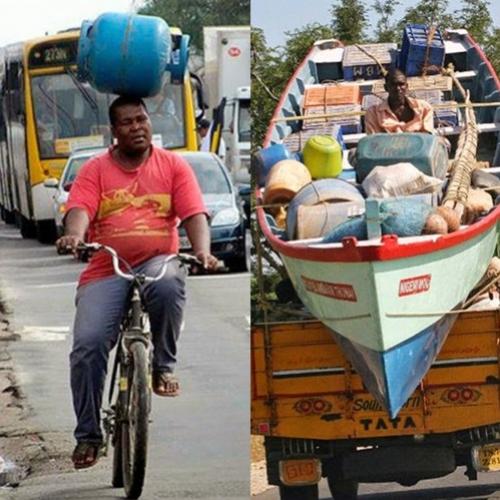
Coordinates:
[100,306]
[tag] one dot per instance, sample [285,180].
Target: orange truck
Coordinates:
[318,420]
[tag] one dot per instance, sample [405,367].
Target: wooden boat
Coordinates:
[391,301]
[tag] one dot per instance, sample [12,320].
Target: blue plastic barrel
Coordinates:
[266,158]
[124,53]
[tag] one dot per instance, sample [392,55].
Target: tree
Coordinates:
[299,42]
[386,31]
[428,12]
[476,19]
[267,83]
[191,15]
[492,49]
[349,20]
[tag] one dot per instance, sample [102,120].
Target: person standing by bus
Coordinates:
[204,129]
[130,198]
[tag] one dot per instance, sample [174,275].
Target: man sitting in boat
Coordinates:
[399,113]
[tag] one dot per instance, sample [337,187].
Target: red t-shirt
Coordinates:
[134,211]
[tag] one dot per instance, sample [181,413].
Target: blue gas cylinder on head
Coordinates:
[124,53]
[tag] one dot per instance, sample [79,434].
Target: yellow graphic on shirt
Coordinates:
[135,214]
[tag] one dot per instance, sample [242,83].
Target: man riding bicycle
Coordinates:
[130,198]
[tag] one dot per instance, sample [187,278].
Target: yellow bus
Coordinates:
[46,113]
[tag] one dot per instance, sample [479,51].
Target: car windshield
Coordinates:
[244,121]
[167,117]
[65,119]
[208,171]
[73,168]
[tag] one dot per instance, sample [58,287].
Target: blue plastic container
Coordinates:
[415,49]
[123,53]
[266,158]
[447,117]
[425,151]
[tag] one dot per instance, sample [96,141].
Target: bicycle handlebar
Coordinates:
[183,257]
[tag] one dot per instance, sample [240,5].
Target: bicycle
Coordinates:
[126,420]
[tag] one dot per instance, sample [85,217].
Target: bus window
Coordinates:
[64,116]
[167,116]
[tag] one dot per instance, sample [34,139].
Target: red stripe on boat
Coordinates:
[339,291]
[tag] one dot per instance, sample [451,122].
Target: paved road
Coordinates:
[199,445]
[455,486]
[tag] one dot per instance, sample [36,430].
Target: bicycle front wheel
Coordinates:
[135,427]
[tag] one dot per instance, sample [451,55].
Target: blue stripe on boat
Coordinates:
[392,376]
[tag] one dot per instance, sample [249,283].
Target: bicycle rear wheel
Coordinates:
[135,426]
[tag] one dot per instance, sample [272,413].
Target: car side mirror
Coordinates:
[244,189]
[51,183]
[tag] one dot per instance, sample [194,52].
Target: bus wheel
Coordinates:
[46,231]
[9,217]
[27,228]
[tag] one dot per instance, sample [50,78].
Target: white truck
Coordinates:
[227,74]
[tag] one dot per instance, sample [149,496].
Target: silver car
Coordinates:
[71,169]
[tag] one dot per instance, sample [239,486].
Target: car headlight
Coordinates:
[226,217]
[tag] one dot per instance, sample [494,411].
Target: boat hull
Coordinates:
[391,317]
[392,376]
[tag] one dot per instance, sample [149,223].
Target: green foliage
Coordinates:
[191,15]
[386,30]
[266,85]
[349,20]
[476,19]
[299,42]
[492,49]
[428,12]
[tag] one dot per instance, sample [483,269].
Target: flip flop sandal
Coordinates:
[165,384]
[85,455]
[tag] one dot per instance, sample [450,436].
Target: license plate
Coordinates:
[486,458]
[300,472]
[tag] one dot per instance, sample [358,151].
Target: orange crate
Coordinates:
[331,95]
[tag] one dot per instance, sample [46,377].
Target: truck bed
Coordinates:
[303,387]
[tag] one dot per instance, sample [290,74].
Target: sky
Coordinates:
[277,16]
[25,19]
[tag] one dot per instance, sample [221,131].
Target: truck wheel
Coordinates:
[299,492]
[343,489]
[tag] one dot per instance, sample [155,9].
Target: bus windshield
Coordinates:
[167,116]
[244,121]
[65,119]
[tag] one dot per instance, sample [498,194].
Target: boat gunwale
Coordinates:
[388,248]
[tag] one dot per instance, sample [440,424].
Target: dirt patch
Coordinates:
[258,472]
[257,448]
